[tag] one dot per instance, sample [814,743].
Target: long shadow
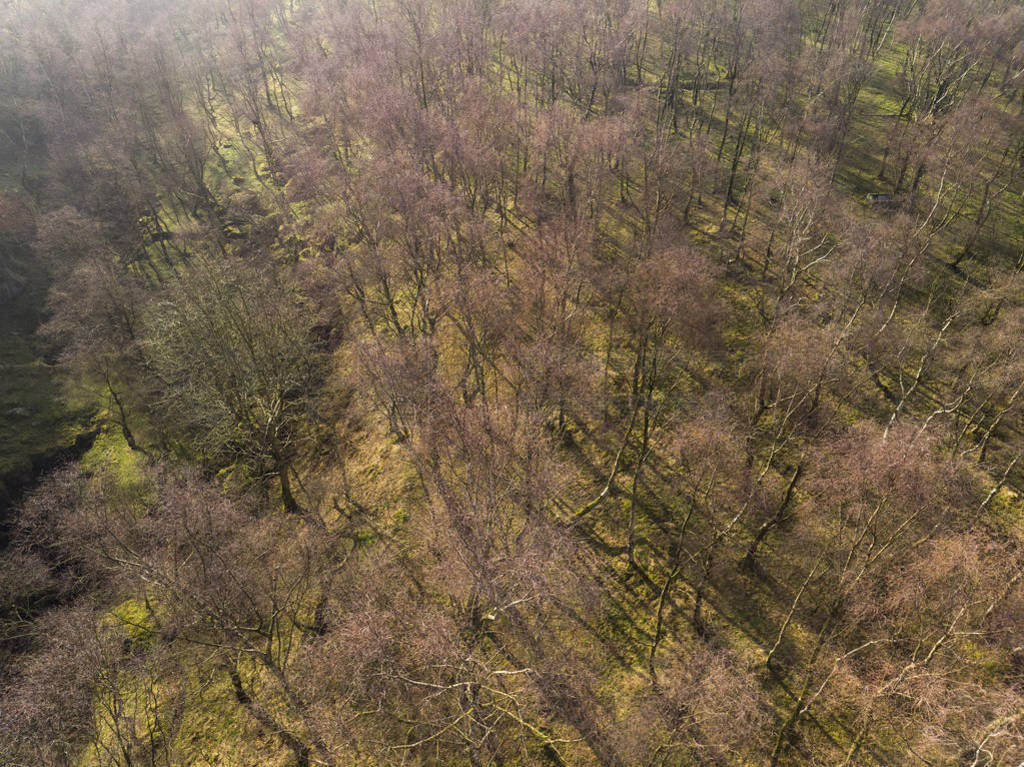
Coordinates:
[38,430]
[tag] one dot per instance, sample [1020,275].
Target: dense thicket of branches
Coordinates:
[524,382]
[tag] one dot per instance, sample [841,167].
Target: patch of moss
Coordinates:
[111,458]
[135,617]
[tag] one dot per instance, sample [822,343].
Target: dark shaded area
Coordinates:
[38,430]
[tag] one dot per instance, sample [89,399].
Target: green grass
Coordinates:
[111,459]
[137,620]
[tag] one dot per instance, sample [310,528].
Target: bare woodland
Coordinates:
[514,382]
